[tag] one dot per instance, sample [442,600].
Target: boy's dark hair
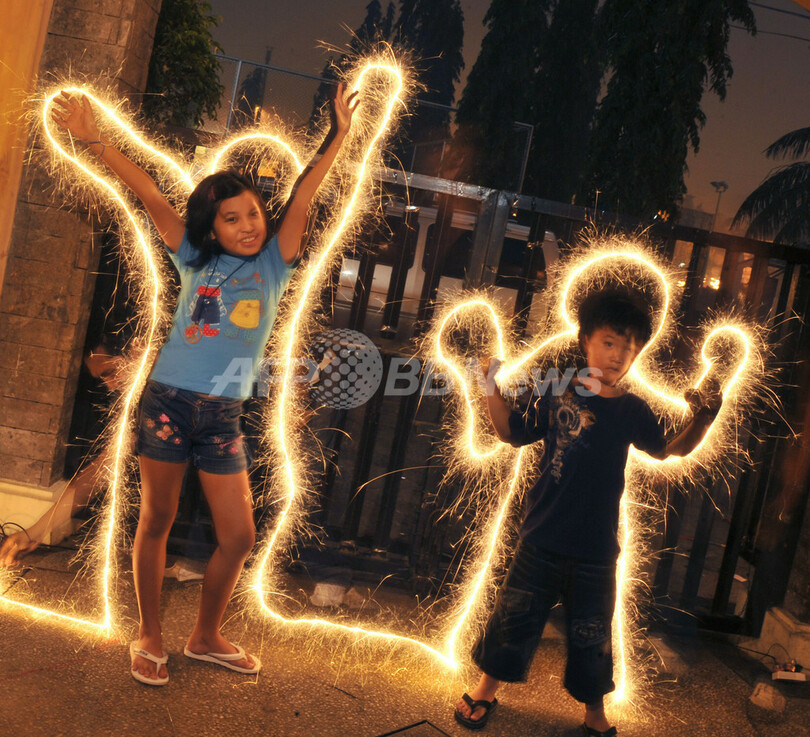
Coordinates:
[203,205]
[623,310]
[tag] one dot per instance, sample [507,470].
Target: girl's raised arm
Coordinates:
[294,223]
[75,115]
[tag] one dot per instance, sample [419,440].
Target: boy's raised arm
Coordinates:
[704,411]
[498,408]
[75,115]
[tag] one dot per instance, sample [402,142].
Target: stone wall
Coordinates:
[48,286]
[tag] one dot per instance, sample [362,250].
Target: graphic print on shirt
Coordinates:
[207,307]
[570,419]
[245,315]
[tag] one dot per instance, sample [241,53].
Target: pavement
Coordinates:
[61,682]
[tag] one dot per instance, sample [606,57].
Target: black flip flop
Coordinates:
[591,732]
[468,722]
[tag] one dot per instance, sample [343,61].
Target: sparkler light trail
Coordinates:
[178,180]
[496,473]
[731,354]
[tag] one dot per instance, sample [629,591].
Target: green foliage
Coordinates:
[564,95]
[433,31]
[375,28]
[249,96]
[183,86]
[780,207]
[539,64]
[486,148]
[662,54]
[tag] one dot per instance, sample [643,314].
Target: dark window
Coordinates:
[459,244]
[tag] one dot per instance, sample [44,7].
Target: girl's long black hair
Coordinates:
[203,205]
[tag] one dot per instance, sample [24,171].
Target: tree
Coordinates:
[780,207]
[249,97]
[433,30]
[183,85]
[375,28]
[485,148]
[662,55]
[564,94]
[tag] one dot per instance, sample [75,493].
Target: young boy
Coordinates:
[568,540]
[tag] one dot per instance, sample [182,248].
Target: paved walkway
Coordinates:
[59,683]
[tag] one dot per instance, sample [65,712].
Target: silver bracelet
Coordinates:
[103,146]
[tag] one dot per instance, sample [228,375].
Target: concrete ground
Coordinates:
[58,682]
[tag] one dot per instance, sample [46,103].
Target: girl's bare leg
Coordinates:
[229,498]
[161,482]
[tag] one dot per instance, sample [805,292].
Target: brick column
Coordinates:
[53,253]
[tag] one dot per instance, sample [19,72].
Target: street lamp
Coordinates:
[719,187]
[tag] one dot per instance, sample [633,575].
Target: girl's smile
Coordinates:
[240,226]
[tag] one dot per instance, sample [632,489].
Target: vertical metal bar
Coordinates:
[483,227]
[362,289]
[696,258]
[785,291]
[390,493]
[233,94]
[740,516]
[331,455]
[728,278]
[534,252]
[756,285]
[404,246]
[697,556]
[672,530]
[365,455]
[436,251]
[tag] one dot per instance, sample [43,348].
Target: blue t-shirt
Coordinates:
[573,508]
[222,322]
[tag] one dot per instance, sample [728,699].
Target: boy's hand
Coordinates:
[705,403]
[76,116]
[343,107]
[489,369]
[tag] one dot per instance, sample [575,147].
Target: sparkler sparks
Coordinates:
[731,349]
[731,353]
[120,131]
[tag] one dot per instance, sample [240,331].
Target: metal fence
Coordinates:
[381,494]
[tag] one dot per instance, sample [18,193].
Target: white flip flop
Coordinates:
[158,661]
[226,660]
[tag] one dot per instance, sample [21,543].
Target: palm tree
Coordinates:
[780,207]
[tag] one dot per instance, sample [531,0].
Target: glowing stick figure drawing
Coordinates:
[729,356]
[382,88]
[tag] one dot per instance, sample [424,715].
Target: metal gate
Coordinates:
[381,493]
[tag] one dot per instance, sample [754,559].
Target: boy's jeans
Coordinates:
[536,581]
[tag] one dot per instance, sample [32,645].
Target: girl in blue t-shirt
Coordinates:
[220,248]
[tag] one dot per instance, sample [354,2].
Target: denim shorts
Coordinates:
[537,580]
[176,424]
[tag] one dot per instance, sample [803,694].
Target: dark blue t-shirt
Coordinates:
[573,508]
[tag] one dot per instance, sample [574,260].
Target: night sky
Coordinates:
[768,95]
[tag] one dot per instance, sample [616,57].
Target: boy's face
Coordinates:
[610,352]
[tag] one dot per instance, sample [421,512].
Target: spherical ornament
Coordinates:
[350,369]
